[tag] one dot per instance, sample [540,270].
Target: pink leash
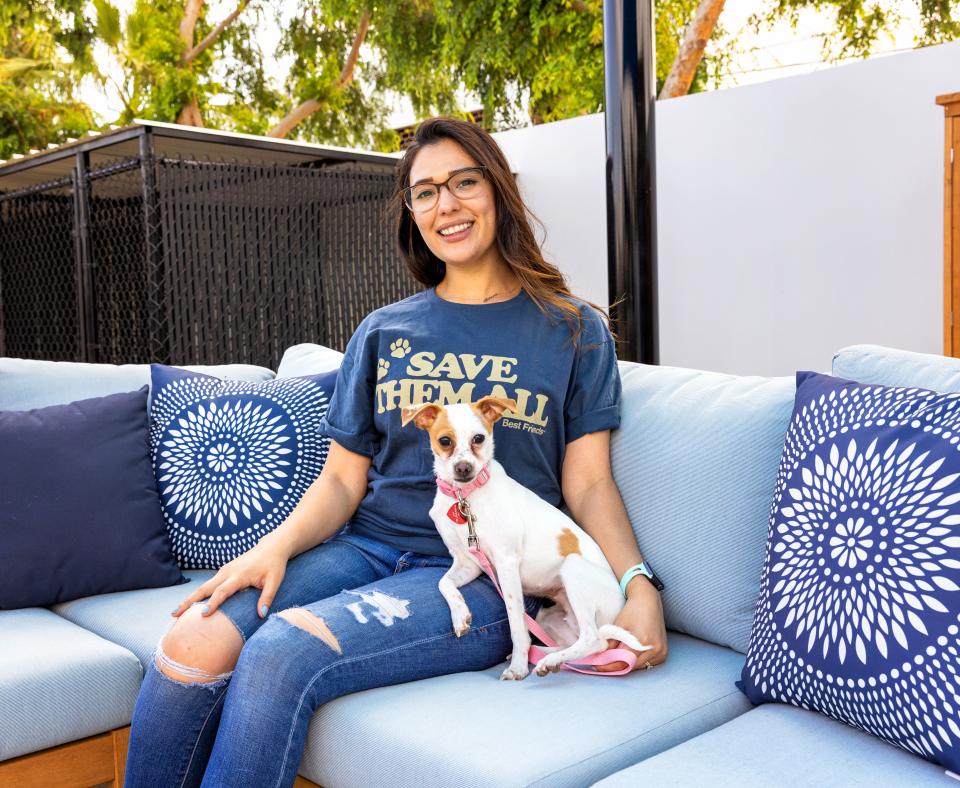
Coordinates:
[537,653]
[585,665]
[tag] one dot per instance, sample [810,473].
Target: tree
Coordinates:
[522,60]
[45,49]
[857,28]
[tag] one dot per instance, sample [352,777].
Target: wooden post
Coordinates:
[951,223]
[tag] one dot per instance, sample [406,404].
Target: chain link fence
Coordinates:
[187,261]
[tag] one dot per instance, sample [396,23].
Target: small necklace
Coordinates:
[490,297]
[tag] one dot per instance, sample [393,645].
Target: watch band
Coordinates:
[643,568]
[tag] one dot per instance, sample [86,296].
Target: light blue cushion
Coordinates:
[696,459]
[308,359]
[891,367]
[786,747]
[471,729]
[135,620]
[27,384]
[59,683]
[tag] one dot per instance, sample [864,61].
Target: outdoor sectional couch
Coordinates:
[696,461]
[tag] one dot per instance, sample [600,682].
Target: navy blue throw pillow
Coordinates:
[859,603]
[79,510]
[233,458]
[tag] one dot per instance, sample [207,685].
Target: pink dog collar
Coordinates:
[462,492]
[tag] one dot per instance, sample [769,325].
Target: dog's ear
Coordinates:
[422,415]
[492,408]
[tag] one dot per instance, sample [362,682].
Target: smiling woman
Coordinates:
[496,320]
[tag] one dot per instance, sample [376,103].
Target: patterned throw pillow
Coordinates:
[860,596]
[232,458]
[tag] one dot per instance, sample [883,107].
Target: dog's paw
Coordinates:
[547,665]
[461,621]
[515,672]
[383,367]
[399,348]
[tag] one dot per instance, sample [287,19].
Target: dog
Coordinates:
[533,546]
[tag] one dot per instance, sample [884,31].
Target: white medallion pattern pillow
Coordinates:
[232,458]
[859,605]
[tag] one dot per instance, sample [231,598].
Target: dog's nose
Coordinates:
[463,469]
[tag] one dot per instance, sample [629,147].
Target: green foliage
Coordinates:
[521,60]
[45,49]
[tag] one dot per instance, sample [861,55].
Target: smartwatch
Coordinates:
[644,569]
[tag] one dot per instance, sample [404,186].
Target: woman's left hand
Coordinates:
[643,616]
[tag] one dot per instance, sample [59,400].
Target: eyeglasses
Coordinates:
[463,184]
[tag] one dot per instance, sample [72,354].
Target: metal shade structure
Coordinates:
[162,243]
[630,73]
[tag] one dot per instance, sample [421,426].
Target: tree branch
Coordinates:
[690,54]
[214,34]
[346,74]
[188,24]
[308,107]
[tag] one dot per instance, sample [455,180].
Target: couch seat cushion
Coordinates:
[59,683]
[782,746]
[134,619]
[471,729]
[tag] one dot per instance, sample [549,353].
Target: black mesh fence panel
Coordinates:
[117,252]
[38,276]
[194,262]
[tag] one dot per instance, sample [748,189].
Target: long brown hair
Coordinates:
[542,280]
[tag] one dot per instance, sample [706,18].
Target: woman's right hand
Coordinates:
[262,566]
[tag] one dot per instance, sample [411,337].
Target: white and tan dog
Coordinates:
[534,547]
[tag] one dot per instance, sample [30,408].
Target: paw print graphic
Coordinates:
[399,348]
[383,367]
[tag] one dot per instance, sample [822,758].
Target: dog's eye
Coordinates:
[445,442]
[477,440]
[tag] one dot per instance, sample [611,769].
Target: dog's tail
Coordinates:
[613,632]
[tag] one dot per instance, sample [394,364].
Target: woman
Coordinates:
[231,692]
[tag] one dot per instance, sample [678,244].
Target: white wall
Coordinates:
[794,217]
[560,171]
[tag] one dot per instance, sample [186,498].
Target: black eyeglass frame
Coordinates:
[407,191]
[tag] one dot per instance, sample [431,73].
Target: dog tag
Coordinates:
[453,513]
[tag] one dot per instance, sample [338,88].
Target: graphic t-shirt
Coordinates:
[426,349]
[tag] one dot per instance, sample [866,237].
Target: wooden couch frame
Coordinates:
[97,760]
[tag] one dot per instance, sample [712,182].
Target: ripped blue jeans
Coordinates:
[383,622]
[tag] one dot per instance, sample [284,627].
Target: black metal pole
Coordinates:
[158,345]
[86,285]
[628,44]
[3,336]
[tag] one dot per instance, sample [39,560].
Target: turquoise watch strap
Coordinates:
[640,569]
[632,572]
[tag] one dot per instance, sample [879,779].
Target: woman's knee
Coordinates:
[198,649]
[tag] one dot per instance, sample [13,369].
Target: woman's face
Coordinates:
[459,231]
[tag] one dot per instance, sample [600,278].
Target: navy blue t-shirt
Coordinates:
[426,349]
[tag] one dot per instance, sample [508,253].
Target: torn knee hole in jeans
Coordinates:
[195,677]
[307,621]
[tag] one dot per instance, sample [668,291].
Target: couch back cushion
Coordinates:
[27,384]
[696,460]
[890,367]
[308,358]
